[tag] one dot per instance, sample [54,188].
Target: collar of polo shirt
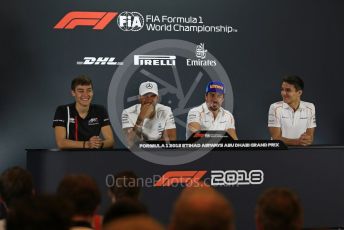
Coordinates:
[286,106]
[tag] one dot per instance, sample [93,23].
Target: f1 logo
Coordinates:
[179,177]
[99,20]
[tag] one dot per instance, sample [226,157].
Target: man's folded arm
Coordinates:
[64,143]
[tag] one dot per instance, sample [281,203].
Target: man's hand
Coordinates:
[305,139]
[94,142]
[147,111]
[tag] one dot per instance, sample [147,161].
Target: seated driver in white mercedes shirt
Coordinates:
[148,120]
[292,120]
[210,115]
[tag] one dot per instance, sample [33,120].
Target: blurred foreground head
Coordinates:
[124,208]
[39,213]
[15,183]
[202,208]
[82,192]
[126,186]
[141,222]
[279,209]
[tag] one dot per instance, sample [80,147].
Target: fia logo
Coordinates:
[130,21]
[200,51]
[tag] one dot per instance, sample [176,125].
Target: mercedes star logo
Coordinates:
[149,86]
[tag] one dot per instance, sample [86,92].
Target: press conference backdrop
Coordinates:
[238,174]
[249,45]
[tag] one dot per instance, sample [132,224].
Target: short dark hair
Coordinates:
[125,185]
[294,80]
[40,213]
[81,80]
[15,183]
[279,208]
[124,208]
[134,222]
[82,191]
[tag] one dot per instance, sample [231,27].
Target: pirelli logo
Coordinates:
[155,60]
[179,177]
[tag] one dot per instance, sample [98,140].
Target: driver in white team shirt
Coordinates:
[292,120]
[210,115]
[148,120]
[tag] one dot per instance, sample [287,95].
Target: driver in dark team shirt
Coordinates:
[79,125]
